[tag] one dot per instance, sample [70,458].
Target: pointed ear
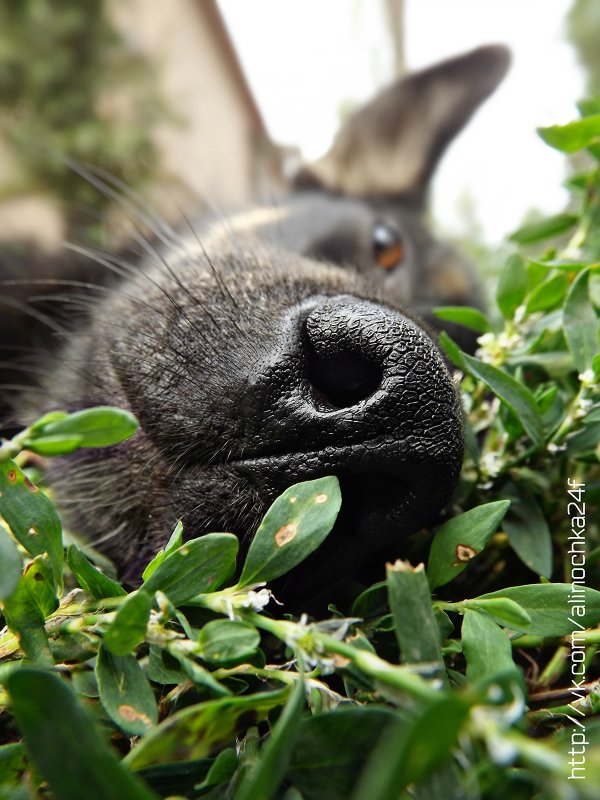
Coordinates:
[393,143]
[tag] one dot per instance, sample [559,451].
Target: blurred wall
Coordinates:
[213,145]
[216,146]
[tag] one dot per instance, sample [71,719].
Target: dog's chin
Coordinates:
[387,492]
[379,513]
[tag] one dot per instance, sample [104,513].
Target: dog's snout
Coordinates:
[344,366]
[356,350]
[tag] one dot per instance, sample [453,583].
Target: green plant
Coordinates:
[470,671]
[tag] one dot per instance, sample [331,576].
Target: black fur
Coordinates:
[269,349]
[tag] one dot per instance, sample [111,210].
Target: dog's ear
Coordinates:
[392,144]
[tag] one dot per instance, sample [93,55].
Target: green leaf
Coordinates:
[12,564]
[128,628]
[95,583]
[96,427]
[13,764]
[451,349]
[195,731]
[556,364]
[486,647]
[372,602]
[444,623]
[53,445]
[31,517]
[513,394]
[222,769]
[562,264]
[547,294]
[201,676]
[221,641]
[528,531]
[581,323]
[174,543]
[64,744]
[585,440]
[198,566]
[573,136]
[462,538]
[125,692]
[588,106]
[512,286]
[263,781]
[163,667]
[464,315]
[415,625]
[51,416]
[555,608]
[181,780]
[504,611]
[593,415]
[545,229]
[410,750]
[332,748]
[26,609]
[293,527]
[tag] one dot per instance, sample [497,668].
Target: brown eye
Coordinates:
[388,246]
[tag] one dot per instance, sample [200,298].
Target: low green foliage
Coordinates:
[470,671]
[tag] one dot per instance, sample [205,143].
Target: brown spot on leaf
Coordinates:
[32,531]
[340,661]
[130,714]
[29,485]
[11,475]
[286,533]
[37,575]
[465,553]
[320,499]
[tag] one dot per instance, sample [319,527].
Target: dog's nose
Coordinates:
[344,364]
[359,390]
[376,364]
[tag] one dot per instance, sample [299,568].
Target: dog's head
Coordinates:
[251,367]
[362,204]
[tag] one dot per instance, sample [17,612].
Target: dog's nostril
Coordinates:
[343,349]
[343,379]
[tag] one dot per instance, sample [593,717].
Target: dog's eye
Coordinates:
[388,246]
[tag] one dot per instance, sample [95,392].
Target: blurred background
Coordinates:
[198,101]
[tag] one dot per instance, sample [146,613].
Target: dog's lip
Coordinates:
[377,455]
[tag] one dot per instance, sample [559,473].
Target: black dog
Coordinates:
[277,347]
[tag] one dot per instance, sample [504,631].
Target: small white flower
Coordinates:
[500,749]
[491,464]
[494,347]
[587,377]
[486,339]
[519,314]
[257,600]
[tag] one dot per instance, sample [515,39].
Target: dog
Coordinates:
[275,345]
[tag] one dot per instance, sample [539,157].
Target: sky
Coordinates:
[305,59]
